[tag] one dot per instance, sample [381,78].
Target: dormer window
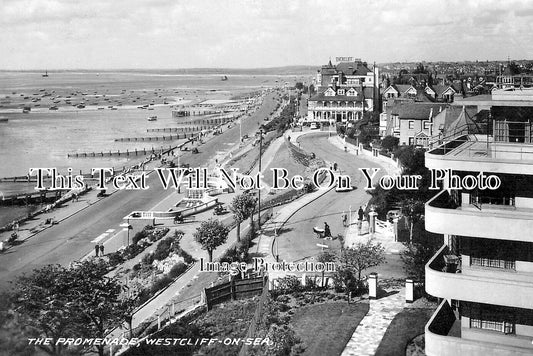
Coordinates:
[329,92]
[351,92]
[340,92]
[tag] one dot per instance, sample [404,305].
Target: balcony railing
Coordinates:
[443,337]
[484,200]
[443,215]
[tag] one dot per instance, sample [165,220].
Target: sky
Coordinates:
[169,34]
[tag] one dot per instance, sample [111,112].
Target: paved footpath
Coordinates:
[368,335]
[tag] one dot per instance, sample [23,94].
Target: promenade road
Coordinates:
[297,240]
[71,239]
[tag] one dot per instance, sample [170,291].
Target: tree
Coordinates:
[325,257]
[98,301]
[299,85]
[414,258]
[211,234]
[413,210]
[390,143]
[242,207]
[79,300]
[353,261]
[420,69]
[40,299]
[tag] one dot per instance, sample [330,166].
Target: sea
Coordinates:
[43,138]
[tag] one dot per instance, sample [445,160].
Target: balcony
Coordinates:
[505,289]
[338,108]
[443,338]
[479,151]
[504,222]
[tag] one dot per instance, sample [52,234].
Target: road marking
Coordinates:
[101,237]
[110,231]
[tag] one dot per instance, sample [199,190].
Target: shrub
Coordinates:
[115,258]
[139,236]
[131,251]
[163,249]
[148,258]
[186,257]
[178,269]
[136,266]
[289,284]
[160,283]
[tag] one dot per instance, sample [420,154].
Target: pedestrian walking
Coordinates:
[344,219]
[96,250]
[102,250]
[361,213]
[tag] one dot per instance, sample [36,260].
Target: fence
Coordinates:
[233,290]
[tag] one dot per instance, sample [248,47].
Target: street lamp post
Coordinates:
[259,172]
[128,227]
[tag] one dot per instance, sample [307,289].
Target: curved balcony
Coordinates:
[443,338]
[442,216]
[475,153]
[504,291]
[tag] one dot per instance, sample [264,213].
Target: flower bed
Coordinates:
[141,241]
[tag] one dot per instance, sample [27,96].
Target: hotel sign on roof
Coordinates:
[343,59]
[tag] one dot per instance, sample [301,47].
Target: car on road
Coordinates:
[314,126]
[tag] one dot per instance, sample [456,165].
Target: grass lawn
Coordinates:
[283,159]
[325,329]
[404,327]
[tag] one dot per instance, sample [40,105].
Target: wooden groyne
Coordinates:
[209,120]
[118,153]
[48,177]
[156,138]
[45,196]
[179,129]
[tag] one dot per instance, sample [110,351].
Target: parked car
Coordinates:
[314,126]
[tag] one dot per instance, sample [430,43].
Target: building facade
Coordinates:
[484,271]
[344,92]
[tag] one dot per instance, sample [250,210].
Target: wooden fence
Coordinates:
[233,290]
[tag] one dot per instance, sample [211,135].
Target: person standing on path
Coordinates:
[327,232]
[344,219]
[102,250]
[361,215]
[96,249]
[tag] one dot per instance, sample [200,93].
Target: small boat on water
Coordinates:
[152,118]
[26,110]
[4,119]
[45,75]
[81,106]
[53,108]
[224,78]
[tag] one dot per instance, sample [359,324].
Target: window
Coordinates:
[411,141]
[427,125]
[490,317]
[411,124]
[492,263]
[340,92]
[501,326]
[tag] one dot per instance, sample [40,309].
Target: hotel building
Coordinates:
[344,91]
[483,274]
